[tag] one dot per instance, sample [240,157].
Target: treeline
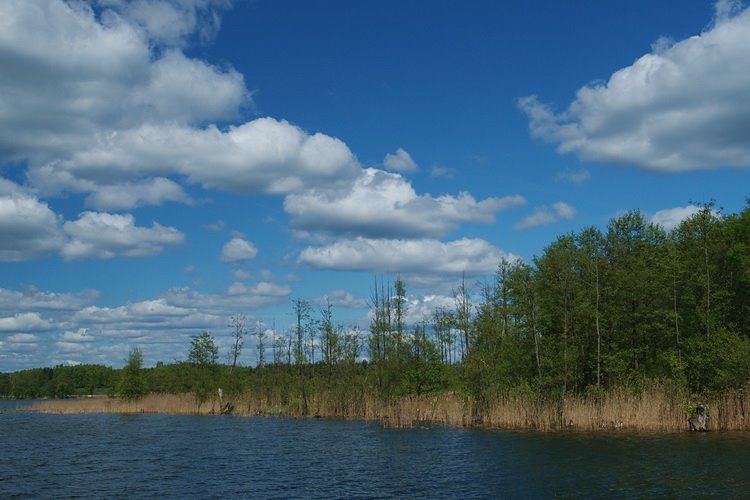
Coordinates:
[597,310]
[60,381]
[619,308]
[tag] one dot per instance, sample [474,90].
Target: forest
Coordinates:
[597,311]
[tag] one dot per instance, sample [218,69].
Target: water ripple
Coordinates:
[116,456]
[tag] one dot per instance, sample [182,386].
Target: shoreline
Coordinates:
[650,412]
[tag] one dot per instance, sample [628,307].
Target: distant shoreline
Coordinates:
[651,411]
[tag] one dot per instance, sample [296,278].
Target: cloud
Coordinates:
[105,72]
[238,297]
[438,171]
[574,176]
[146,314]
[164,323]
[343,299]
[724,10]
[81,335]
[21,342]
[98,235]
[33,299]
[129,195]
[384,205]
[683,107]
[241,275]
[71,347]
[68,74]
[25,322]
[470,256]
[172,23]
[215,227]
[238,250]
[421,308]
[401,161]
[28,228]
[545,216]
[23,338]
[260,156]
[670,218]
[89,333]
[190,91]
[130,117]
[91,104]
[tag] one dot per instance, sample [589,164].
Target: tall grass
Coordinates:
[152,403]
[654,409]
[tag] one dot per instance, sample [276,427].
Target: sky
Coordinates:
[165,165]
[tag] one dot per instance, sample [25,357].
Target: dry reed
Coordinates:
[656,409]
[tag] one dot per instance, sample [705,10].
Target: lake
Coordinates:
[210,456]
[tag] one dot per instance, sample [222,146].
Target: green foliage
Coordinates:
[60,381]
[132,383]
[718,363]
[203,350]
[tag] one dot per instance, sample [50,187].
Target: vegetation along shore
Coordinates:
[628,328]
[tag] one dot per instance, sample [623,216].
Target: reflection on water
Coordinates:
[178,456]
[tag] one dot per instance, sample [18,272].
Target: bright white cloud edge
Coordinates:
[682,107]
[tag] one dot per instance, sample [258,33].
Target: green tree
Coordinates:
[132,382]
[203,350]
[380,328]
[639,299]
[559,296]
[524,296]
[701,247]
[203,356]
[737,270]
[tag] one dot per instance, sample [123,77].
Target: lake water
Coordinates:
[211,456]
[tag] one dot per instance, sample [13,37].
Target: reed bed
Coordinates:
[152,403]
[656,409]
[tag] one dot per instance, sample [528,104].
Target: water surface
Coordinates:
[172,456]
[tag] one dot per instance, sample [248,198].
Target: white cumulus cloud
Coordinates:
[400,161]
[80,335]
[470,256]
[172,23]
[100,235]
[68,74]
[238,250]
[344,299]
[545,216]
[670,218]
[261,156]
[28,227]
[25,322]
[686,106]
[238,297]
[384,205]
[23,338]
[129,195]
[32,299]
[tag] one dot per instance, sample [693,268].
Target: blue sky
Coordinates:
[166,164]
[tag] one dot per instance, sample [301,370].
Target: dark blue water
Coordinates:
[191,456]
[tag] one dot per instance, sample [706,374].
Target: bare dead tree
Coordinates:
[237,324]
